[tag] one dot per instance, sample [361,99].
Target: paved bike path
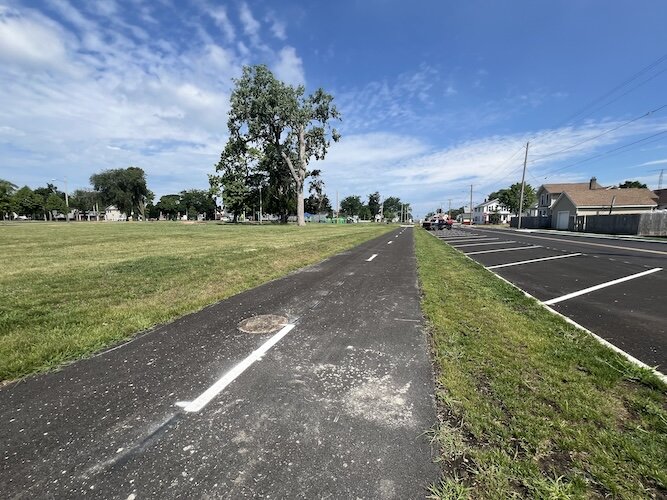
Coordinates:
[337,408]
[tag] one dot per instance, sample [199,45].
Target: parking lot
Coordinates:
[615,288]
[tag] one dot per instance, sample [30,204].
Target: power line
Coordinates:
[605,153]
[632,78]
[648,113]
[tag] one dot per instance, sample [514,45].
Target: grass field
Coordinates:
[530,406]
[67,290]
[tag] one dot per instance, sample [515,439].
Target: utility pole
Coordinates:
[523,185]
[260,202]
[449,212]
[471,204]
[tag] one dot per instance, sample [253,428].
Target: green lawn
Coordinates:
[530,406]
[67,290]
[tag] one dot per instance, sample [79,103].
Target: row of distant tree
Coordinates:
[390,208]
[124,188]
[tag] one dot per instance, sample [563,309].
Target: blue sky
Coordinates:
[435,95]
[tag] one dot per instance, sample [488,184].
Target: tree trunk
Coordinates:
[300,218]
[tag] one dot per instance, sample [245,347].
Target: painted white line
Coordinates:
[463,240]
[480,244]
[503,250]
[562,240]
[232,374]
[371,257]
[534,260]
[602,341]
[600,286]
[389,242]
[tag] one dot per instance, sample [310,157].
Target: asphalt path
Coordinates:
[337,405]
[616,288]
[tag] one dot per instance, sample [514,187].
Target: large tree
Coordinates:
[123,187]
[352,205]
[198,201]
[511,197]
[25,202]
[170,206]
[374,203]
[282,123]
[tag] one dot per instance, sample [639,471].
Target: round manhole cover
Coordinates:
[265,323]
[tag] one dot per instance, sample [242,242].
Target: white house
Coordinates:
[113,214]
[483,211]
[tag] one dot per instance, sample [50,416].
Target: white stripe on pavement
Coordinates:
[503,250]
[534,260]
[600,286]
[230,376]
[390,242]
[463,240]
[480,244]
[371,257]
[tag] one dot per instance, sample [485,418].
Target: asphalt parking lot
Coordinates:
[615,288]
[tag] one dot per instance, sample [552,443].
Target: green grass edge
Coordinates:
[529,405]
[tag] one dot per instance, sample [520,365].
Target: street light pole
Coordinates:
[64,181]
[260,203]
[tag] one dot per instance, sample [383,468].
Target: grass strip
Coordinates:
[68,290]
[531,406]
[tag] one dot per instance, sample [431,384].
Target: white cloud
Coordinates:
[278,27]
[289,67]
[30,41]
[219,15]
[251,26]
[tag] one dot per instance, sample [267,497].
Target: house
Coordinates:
[547,194]
[483,211]
[662,198]
[582,202]
[111,213]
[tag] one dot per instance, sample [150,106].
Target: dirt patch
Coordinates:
[265,323]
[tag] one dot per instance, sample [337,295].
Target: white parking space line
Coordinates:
[371,257]
[231,375]
[389,242]
[462,240]
[534,260]
[600,286]
[480,244]
[503,250]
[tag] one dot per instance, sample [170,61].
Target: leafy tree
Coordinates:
[170,206]
[7,190]
[374,203]
[632,184]
[84,200]
[25,202]
[236,165]
[317,202]
[494,217]
[511,197]
[281,122]
[391,207]
[198,201]
[123,187]
[55,204]
[351,205]
[44,193]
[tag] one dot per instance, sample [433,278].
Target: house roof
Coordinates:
[662,196]
[604,197]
